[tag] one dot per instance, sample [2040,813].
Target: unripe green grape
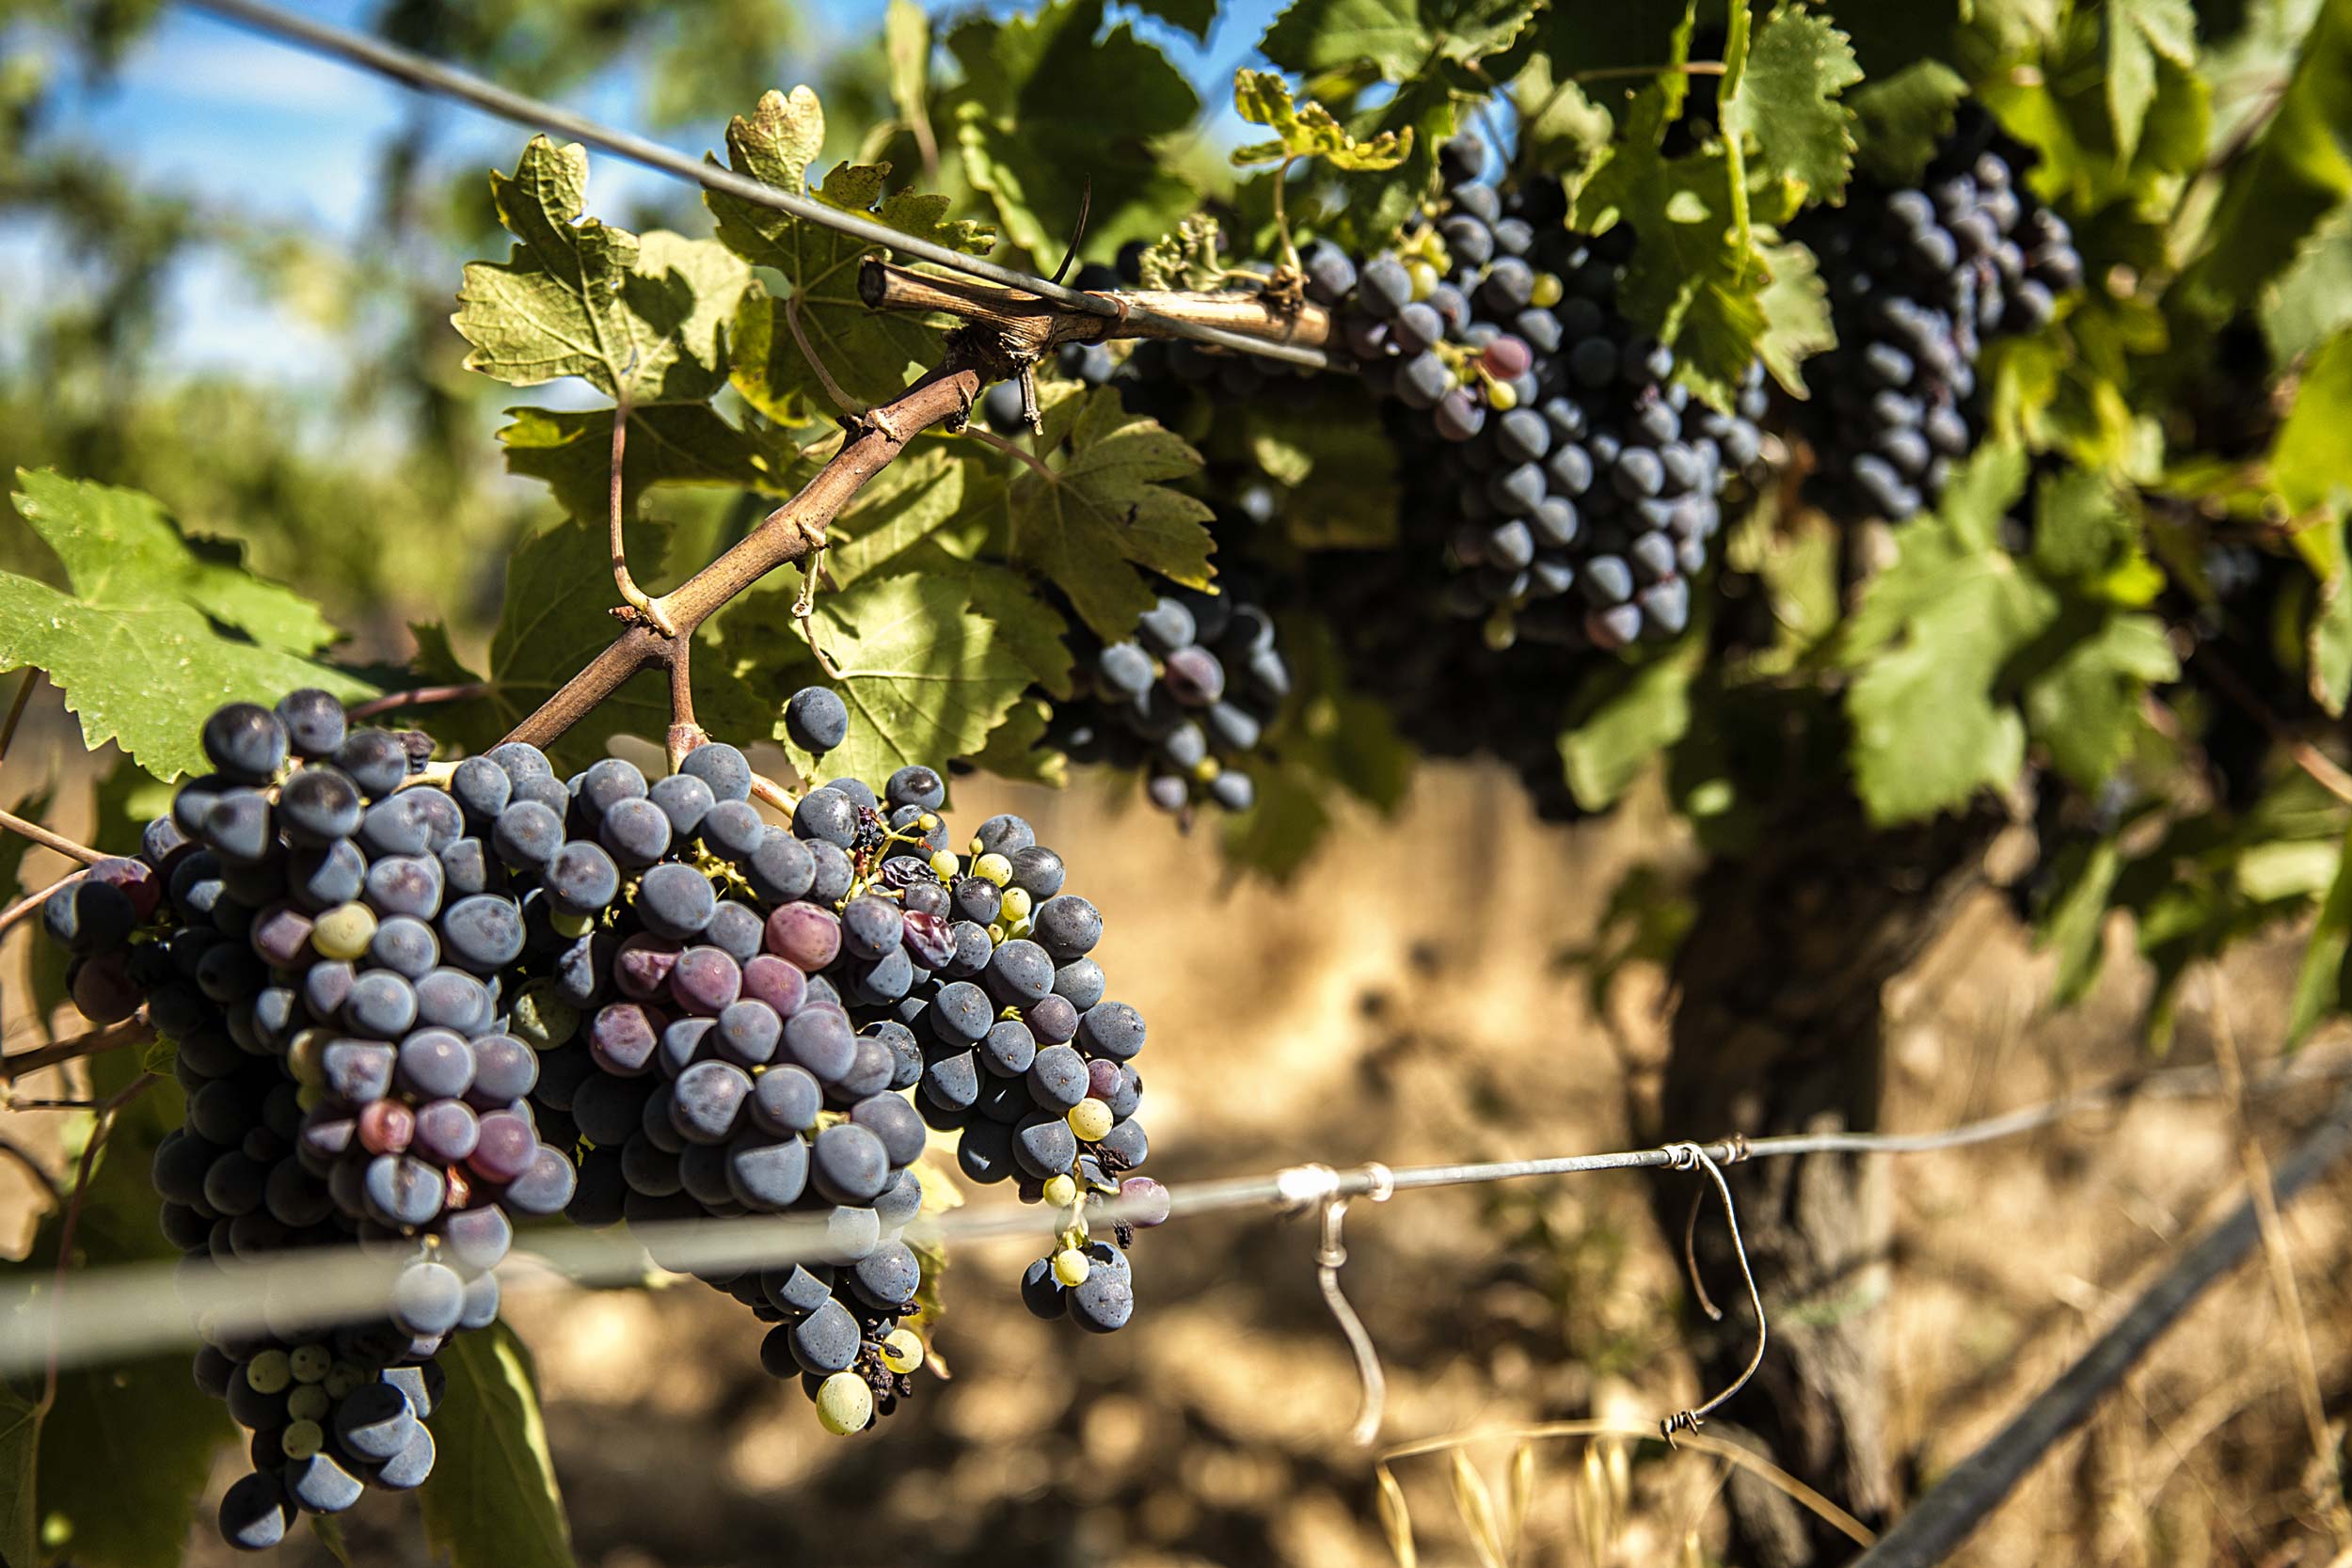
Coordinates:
[902,1350]
[1071,1267]
[1091,1119]
[343,931]
[302,1439]
[844,1403]
[269,1372]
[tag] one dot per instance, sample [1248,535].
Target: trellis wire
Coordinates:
[119,1311]
[429,75]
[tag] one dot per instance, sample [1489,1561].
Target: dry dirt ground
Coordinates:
[1409,999]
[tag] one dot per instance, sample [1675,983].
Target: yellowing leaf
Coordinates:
[1307,129]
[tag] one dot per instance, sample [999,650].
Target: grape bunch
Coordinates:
[1576,485]
[1920,278]
[1184,700]
[731,1025]
[412,1004]
[322,934]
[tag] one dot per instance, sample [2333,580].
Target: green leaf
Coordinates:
[1194,16]
[2307,465]
[2328,645]
[2319,982]
[1399,37]
[1568,130]
[557,617]
[1698,275]
[1048,110]
[1928,645]
[1017,749]
[1106,509]
[1307,130]
[1623,718]
[1795,303]
[2299,171]
[1905,117]
[1788,100]
[1185,257]
[669,443]
[925,678]
[577,296]
[2075,926]
[907,44]
[869,353]
[2138,31]
[158,631]
[2085,705]
[899,510]
[492,1499]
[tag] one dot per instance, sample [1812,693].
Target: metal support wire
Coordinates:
[113,1313]
[429,75]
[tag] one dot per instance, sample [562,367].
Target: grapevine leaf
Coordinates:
[1795,303]
[1399,37]
[1307,129]
[1375,206]
[117,547]
[1106,509]
[2074,924]
[2307,458]
[1697,273]
[1905,117]
[1928,644]
[897,510]
[2328,646]
[907,43]
[158,630]
[577,296]
[492,1499]
[1017,749]
[2138,31]
[1315,36]
[1568,131]
[2319,982]
[2298,172]
[329,1531]
[1622,717]
[669,443]
[2085,705]
[557,617]
[867,353]
[1788,100]
[2312,301]
[925,678]
[1033,629]
[1049,110]
[1194,16]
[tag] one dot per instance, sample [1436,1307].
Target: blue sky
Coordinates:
[225,114]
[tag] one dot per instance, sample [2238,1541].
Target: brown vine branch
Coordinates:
[48,840]
[420,696]
[631,595]
[131,1031]
[1030,325]
[788,535]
